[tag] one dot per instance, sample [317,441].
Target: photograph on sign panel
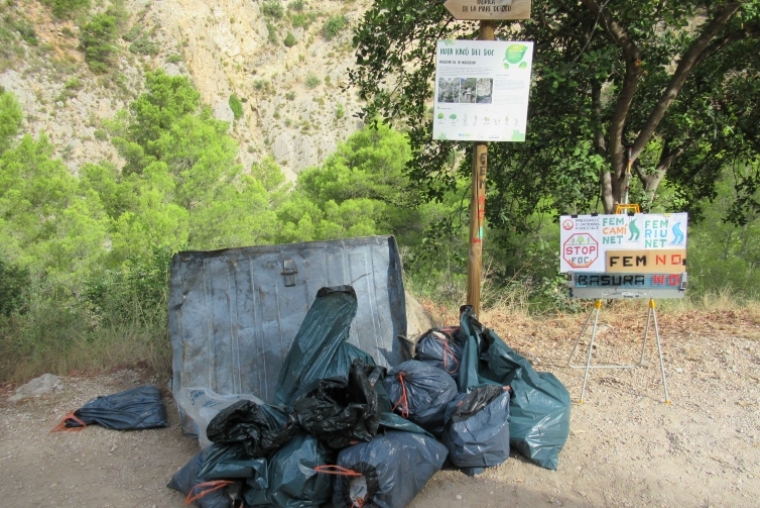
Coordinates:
[467,90]
[448,89]
[485,90]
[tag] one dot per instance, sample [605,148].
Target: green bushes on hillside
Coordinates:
[273,9]
[65,9]
[334,26]
[98,38]
[236,106]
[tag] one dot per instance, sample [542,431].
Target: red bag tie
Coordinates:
[403,401]
[212,486]
[61,427]
[341,471]
[336,470]
[447,353]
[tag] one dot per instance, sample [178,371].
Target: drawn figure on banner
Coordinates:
[635,233]
[679,237]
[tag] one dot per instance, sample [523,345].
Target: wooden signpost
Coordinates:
[489,9]
[478,204]
[486,11]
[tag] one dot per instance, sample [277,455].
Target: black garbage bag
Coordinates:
[388,471]
[319,349]
[292,481]
[477,435]
[539,421]
[226,462]
[136,409]
[341,412]
[440,348]
[421,392]
[186,479]
[260,428]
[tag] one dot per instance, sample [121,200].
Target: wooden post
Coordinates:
[478,203]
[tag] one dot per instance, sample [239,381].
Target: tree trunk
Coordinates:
[613,182]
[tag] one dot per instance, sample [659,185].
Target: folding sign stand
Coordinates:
[639,256]
[652,317]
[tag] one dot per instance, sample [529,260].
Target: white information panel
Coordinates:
[481,90]
[638,243]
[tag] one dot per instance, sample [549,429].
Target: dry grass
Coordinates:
[64,346]
[548,339]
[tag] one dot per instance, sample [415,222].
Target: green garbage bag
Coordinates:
[292,481]
[319,350]
[539,414]
[392,421]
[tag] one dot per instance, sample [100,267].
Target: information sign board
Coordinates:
[481,90]
[637,243]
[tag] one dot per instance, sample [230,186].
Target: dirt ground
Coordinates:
[627,447]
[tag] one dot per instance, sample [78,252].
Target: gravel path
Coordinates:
[627,448]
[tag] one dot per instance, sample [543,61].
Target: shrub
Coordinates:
[273,9]
[14,282]
[144,46]
[312,81]
[65,9]
[132,34]
[174,59]
[98,38]
[297,5]
[26,30]
[340,111]
[73,84]
[290,40]
[236,106]
[291,96]
[271,33]
[302,20]
[333,26]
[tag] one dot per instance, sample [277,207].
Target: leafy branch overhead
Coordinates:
[673,80]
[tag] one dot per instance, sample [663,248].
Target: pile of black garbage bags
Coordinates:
[344,430]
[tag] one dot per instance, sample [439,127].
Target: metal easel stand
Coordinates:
[651,317]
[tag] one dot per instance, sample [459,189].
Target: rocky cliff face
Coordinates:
[293,106]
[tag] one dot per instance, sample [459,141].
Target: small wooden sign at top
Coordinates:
[489,9]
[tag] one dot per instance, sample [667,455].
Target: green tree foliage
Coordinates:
[652,75]
[290,40]
[269,174]
[49,226]
[166,100]
[98,38]
[723,255]
[361,189]
[181,186]
[10,119]
[14,286]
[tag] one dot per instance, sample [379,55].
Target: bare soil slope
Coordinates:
[626,448]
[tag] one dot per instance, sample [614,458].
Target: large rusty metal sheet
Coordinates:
[233,313]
